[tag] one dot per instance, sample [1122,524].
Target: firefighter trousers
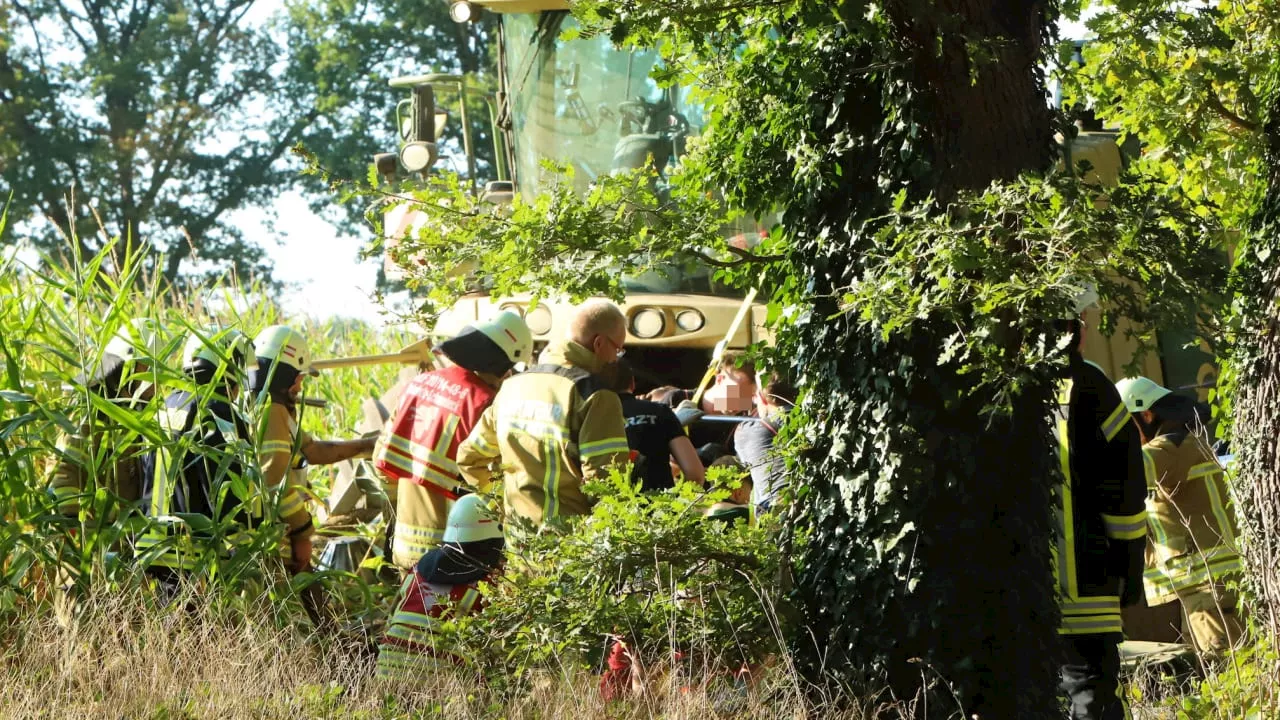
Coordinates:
[1211,621]
[1090,677]
[421,516]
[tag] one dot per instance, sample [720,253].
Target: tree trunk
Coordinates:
[931,518]
[1256,366]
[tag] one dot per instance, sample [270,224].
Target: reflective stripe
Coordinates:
[1196,568]
[1092,605]
[1091,624]
[551,481]
[412,666]
[1115,423]
[1126,527]
[66,493]
[291,501]
[603,447]
[433,465]
[1066,556]
[1149,469]
[481,445]
[468,601]
[277,446]
[1212,472]
[535,428]
[416,540]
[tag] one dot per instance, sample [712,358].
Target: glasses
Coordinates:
[620,350]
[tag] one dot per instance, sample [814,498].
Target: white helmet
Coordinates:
[509,332]
[1086,296]
[469,521]
[283,344]
[1140,393]
[215,345]
[492,346]
[138,338]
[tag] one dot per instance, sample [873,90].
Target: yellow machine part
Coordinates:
[657,320]
[1113,353]
[523,6]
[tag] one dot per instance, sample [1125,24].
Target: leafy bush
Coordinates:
[648,568]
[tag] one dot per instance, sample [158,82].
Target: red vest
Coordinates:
[436,413]
[422,607]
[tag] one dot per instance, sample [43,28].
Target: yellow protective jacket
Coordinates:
[284,468]
[551,428]
[1193,533]
[95,454]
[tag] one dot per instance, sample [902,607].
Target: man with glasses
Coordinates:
[557,425]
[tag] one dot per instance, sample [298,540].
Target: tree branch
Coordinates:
[745,257]
[1239,123]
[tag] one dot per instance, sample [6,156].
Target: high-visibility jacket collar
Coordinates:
[568,352]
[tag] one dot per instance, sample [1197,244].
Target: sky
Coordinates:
[322,267]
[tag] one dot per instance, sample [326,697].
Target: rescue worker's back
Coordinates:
[555,426]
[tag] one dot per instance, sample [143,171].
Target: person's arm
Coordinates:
[275,455]
[328,452]
[602,439]
[681,447]
[478,451]
[686,457]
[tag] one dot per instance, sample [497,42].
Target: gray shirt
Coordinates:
[754,444]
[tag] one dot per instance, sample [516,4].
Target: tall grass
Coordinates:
[54,322]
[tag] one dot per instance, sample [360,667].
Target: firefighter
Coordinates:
[1098,554]
[419,448]
[443,585]
[1192,556]
[95,450]
[284,449]
[557,425]
[199,465]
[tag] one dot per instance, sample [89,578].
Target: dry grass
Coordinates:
[121,658]
[118,658]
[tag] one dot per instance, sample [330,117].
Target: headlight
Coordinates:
[463,11]
[417,156]
[690,320]
[512,307]
[539,320]
[648,323]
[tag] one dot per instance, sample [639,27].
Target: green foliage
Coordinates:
[1200,86]
[919,260]
[1191,83]
[344,54]
[579,243]
[53,323]
[1241,686]
[1145,247]
[645,567]
[168,117]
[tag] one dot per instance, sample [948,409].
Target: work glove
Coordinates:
[688,413]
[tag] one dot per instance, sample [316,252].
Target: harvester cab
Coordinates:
[576,100]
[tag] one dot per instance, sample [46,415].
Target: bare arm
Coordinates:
[687,458]
[328,452]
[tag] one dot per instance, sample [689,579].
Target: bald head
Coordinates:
[599,326]
[596,317]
